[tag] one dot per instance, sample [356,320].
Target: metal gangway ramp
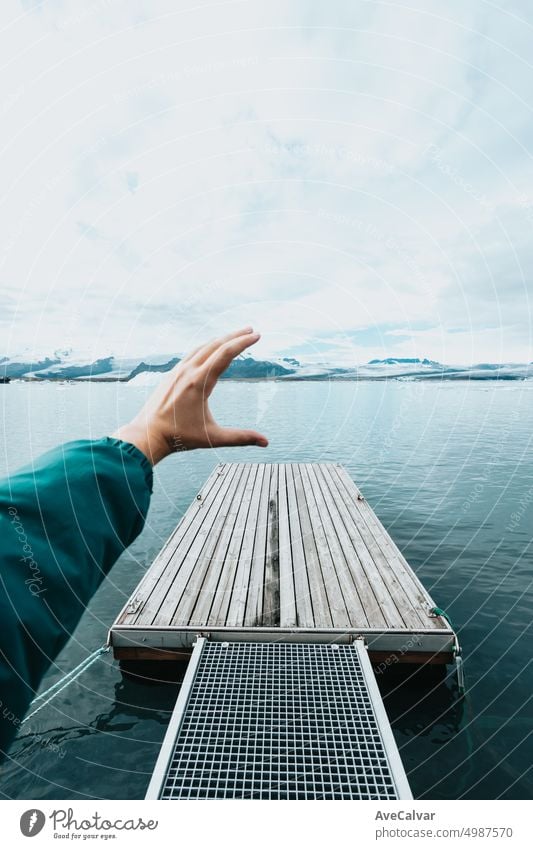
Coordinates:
[279,720]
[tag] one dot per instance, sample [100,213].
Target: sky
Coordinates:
[353,178]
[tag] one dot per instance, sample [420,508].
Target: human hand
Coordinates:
[177,417]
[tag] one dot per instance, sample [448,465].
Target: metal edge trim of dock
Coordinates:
[183,637]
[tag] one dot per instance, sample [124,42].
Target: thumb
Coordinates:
[232,436]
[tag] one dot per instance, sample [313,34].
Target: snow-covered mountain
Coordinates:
[70,365]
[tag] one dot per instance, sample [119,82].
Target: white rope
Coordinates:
[67,679]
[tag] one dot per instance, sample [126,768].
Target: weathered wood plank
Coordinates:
[355,556]
[271,588]
[302,591]
[223,536]
[221,602]
[319,598]
[348,588]
[217,555]
[237,609]
[287,597]
[166,595]
[401,576]
[199,591]
[161,573]
[365,547]
[254,602]
[337,604]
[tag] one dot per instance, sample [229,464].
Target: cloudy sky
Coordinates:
[354,178]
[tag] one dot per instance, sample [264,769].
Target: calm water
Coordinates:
[449,471]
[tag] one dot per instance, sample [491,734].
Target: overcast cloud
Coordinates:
[354,178]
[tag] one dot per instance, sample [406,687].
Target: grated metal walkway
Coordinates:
[279,721]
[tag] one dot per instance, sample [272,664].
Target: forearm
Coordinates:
[63,523]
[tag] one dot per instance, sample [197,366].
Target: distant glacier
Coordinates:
[66,365]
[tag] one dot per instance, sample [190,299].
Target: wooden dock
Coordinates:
[283,552]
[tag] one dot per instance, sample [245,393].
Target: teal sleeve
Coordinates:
[64,521]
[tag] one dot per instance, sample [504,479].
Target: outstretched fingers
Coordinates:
[223,356]
[203,352]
